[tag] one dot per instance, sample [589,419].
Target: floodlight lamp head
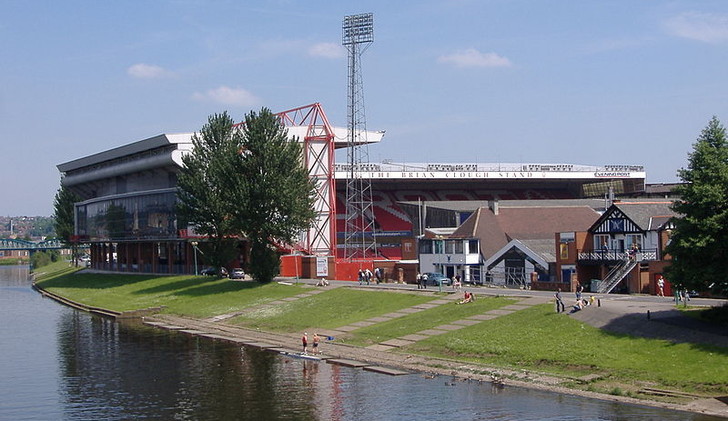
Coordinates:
[358,29]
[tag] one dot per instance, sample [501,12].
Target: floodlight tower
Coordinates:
[360,239]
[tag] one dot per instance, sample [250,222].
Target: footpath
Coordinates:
[639,316]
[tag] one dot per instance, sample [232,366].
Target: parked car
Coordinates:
[84,260]
[211,271]
[208,271]
[237,273]
[434,278]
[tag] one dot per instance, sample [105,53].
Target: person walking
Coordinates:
[559,302]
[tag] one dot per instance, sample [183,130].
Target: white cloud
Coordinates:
[228,96]
[474,58]
[146,71]
[326,50]
[703,27]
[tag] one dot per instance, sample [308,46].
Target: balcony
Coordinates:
[611,256]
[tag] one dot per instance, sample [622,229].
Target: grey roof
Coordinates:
[126,150]
[647,215]
[543,247]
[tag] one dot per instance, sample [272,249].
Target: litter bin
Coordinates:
[594,286]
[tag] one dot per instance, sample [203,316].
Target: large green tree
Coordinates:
[246,182]
[205,184]
[63,218]
[699,242]
[275,197]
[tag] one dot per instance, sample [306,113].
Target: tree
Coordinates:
[246,182]
[205,183]
[699,241]
[63,216]
[275,197]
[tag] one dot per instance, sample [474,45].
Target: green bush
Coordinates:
[43,258]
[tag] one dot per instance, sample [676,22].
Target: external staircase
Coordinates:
[616,275]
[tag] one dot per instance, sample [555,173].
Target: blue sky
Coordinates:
[582,82]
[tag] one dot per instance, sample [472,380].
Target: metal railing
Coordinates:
[610,255]
[615,276]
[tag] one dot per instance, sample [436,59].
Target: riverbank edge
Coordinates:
[425,365]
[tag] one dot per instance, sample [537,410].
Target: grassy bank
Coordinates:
[539,339]
[535,339]
[197,296]
[329,310]
[419,321]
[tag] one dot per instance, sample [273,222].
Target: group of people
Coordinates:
[366,275]
[316,340]
[421,280]
[456,284]
[580,302]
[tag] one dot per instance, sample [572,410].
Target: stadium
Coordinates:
[128,194]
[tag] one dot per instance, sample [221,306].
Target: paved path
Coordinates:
[651,319]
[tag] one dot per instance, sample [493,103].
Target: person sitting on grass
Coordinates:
[467,298]
[577,307]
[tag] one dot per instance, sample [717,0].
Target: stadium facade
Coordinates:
[128,197]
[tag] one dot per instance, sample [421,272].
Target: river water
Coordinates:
[57,363]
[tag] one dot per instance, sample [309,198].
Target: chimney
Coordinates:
[494,206]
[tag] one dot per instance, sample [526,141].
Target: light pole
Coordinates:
[194,246]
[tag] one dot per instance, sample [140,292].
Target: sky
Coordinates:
[461,81]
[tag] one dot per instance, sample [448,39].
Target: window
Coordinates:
[601,242]
[438,246]
[454,247]
[634,239]
[425,247]
[472,246]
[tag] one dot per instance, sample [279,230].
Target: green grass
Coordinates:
[539,339]
[329,310]
[198,296]
[714,315]
[422,320]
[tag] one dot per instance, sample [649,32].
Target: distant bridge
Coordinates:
[15,244]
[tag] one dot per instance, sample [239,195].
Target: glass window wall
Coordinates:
[148,216]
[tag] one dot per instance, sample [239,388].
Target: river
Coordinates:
[57,363]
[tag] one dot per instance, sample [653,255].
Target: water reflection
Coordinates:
[58,363]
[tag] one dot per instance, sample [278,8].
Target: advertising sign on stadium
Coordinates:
[434,175]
